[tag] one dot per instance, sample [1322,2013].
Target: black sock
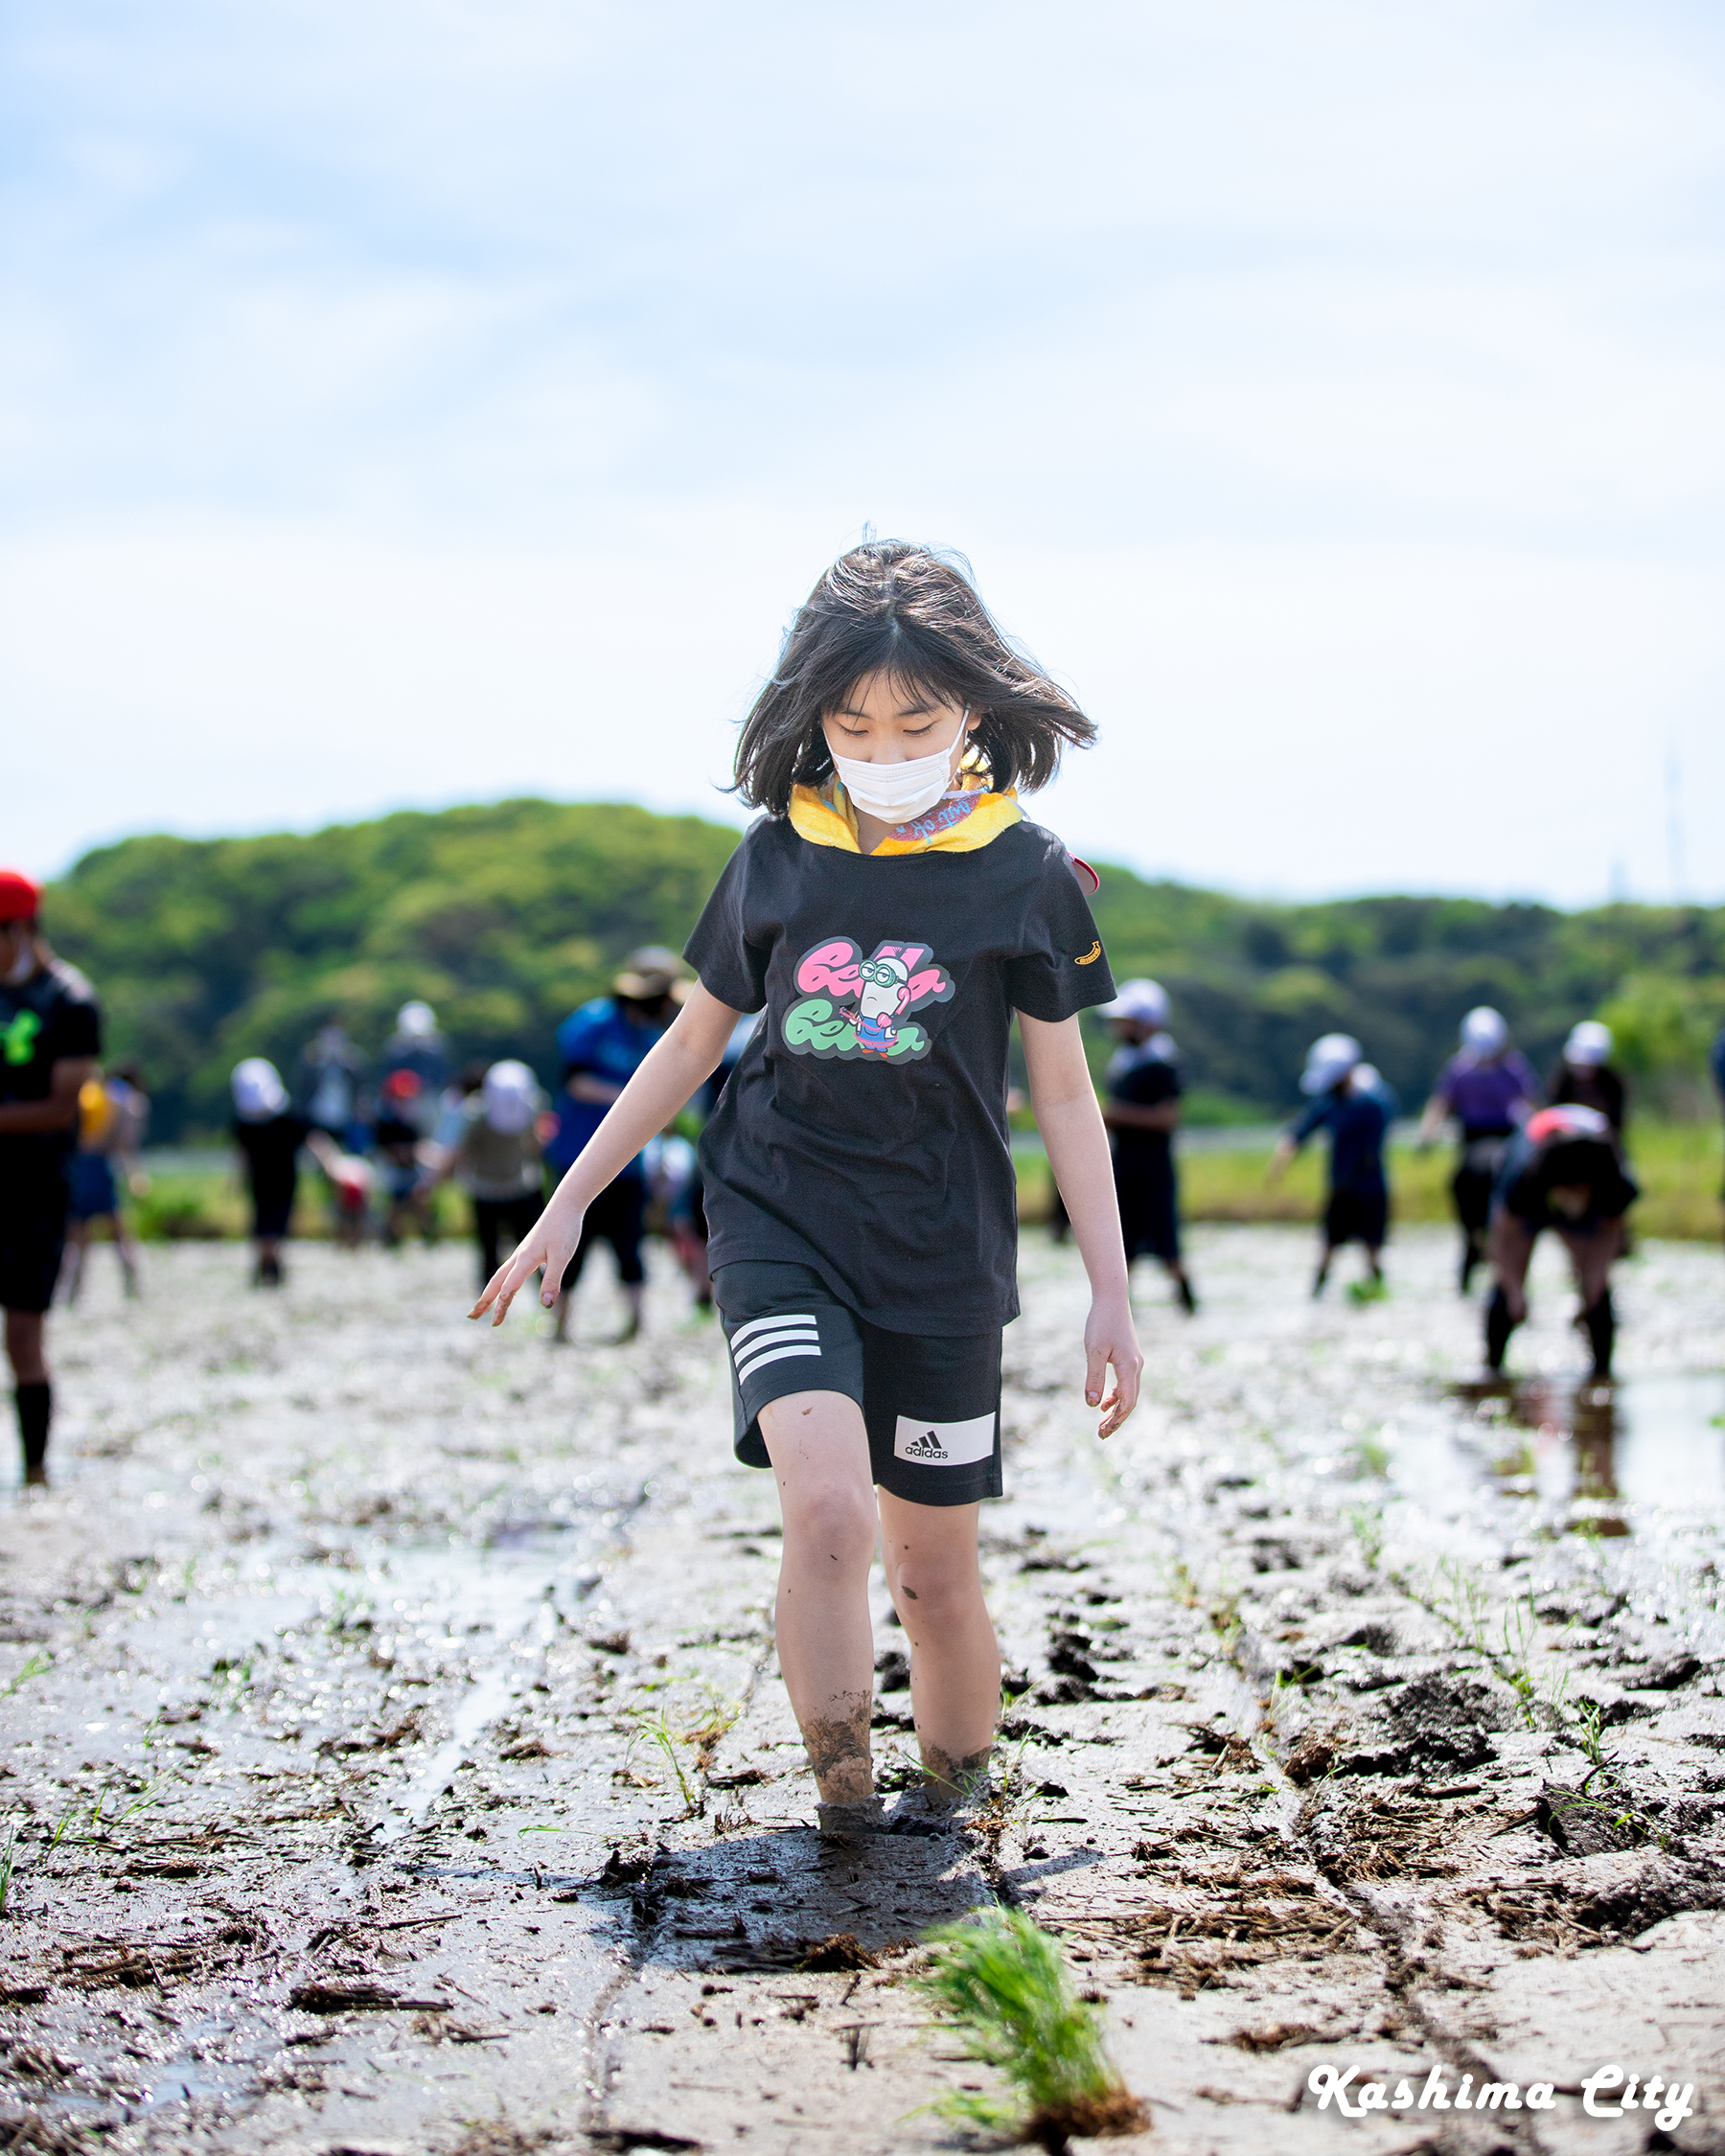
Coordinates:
[1498,1325]
[1601,1322]
[35,1406]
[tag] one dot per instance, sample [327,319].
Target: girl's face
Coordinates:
[880,721]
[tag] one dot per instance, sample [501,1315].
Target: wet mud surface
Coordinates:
[397,1762]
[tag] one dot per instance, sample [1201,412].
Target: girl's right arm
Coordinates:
[676,1068]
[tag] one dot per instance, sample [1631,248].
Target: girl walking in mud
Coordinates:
[889,912]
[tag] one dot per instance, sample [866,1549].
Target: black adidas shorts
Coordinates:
[931,1401]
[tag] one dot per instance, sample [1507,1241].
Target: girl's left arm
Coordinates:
[1070,1122]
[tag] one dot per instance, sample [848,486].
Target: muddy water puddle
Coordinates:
[1599,1459]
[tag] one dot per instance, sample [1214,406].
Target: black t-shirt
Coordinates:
[1140,1078]
[51,1018]
[271,1153]
[863,1131]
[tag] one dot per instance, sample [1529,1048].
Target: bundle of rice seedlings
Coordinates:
[1003,1983]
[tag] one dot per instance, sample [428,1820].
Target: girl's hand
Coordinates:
[551,1244]
[1110,1338]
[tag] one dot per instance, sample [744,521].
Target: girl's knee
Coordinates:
[935,1596]
[835,1516]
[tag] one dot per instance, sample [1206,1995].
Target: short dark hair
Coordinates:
[889,607]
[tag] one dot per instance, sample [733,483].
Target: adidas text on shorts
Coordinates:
[930,1402]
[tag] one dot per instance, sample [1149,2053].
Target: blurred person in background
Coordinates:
[1490,1091]
[415,1045]
[1352,1103]
[330,1093]
[1564,1171]
[50,1037]
[113,1114]
[1585,1076]
[331,1083]
[498,1159]
[404,1147]
[269,1136]
[1142,1113]
[1716,1063]
[599,1048]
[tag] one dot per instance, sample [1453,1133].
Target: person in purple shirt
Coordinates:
[1490,1091]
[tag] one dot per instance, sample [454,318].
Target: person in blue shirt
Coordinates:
[599,1049]
[1353,1104]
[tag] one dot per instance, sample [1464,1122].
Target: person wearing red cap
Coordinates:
[50,1037]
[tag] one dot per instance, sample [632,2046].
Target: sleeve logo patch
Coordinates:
[1091,955]
[944,1444]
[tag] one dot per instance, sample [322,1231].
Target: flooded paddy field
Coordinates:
[397,1760]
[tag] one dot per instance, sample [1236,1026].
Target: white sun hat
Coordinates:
[1589,1045]
[1328,1061]
[1484,1032]
[259,1094]
[1145,1001]
[511,1094]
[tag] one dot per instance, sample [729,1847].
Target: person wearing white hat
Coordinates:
[1142,1113]
[269,1135]
[1352,1103]
[1585,1076]
[417,1047]
[1489,1088]
[497,1158]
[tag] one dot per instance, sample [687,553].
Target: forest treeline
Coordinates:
[503,917]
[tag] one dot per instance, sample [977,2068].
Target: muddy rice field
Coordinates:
[396,1759]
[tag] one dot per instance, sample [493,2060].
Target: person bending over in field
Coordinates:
[1565,1172]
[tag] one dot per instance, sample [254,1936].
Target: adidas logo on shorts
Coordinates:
[944,1444]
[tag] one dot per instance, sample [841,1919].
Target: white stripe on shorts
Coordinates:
[758,1324]
[771,1354]
[795,1332]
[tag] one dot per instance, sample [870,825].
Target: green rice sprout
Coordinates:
[8,1858]
[36,1666]
[1004,1986]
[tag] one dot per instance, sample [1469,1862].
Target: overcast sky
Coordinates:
[418,404]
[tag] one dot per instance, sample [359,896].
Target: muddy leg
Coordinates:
[1511,1248]
[1591,1258]
[936,1586]
[820,1454]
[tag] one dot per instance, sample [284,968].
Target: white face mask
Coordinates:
[895,792]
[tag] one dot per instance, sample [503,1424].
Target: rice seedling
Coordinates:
[36,1666]
[6,1861]
[1003,1985]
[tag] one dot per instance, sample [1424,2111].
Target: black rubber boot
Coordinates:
[35,1410]
[1598,1321]
[1498,1325]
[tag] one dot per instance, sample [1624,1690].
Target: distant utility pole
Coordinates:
[1674,822]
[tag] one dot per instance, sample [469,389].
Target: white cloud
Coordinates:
[1350,375]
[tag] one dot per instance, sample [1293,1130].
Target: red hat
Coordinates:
[20,900]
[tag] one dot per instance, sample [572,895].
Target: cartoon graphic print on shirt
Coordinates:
[857,1006]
